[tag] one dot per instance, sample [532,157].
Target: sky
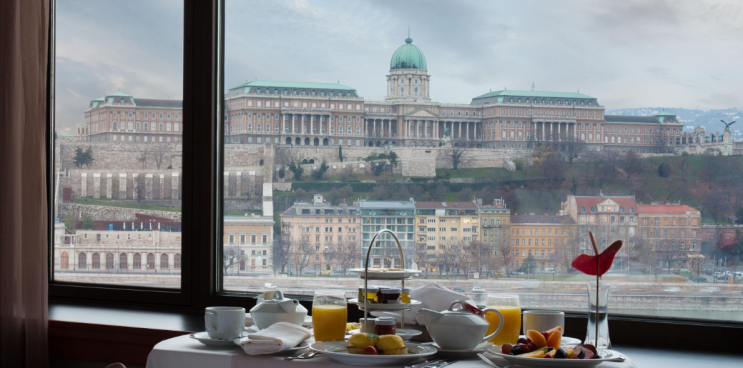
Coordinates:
[626,53]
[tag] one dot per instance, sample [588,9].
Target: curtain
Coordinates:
[24,28]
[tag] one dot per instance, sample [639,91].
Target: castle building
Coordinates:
[120,117]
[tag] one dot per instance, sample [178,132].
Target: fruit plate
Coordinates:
[404,333]
[566,341]
[336,351]
[386,274]
[385,307]
[607,355]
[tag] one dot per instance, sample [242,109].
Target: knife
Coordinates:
[425,363]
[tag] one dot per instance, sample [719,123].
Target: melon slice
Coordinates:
[557,328]
[537,338]
[554,339]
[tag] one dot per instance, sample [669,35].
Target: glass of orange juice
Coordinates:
[329,315]
[511,309]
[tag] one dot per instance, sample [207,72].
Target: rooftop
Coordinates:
[625,202]
[403,205]
[541,219]
[447,205]
[670,209]
[518,93]
[323,209]
[311,85]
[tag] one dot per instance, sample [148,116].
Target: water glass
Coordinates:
[329,315]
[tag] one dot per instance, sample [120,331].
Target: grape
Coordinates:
[528,340]
[522,340]
[506,348]
[525,347]
[370,350]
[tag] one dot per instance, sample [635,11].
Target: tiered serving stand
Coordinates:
[366,306]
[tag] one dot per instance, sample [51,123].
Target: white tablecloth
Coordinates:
[185,352]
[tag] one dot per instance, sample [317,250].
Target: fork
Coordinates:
[487,361]
[305,355]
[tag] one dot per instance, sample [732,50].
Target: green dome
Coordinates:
[408,56]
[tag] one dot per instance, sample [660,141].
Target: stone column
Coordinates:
[96,185]
[475,127]
[374,128]
[467,130]
[559,131]
[148,186]
[226,184]
[460,130]
[389,128]
[417,128]
[294,126]
[238,184]
[135,186]
[174,184]
[283,123]
[122,186]
[109,185]
[312,124]
[161,186]
[303,127]
[83,185]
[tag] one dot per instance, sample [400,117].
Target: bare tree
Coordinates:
[347,255]
[683,166]
[139,191]
[159,152]
[301,252]
[143,159]
[420,257]
[569,248]
[665,252]
[713,169]
[457,156]
[505,254]
[281,253]
[572,148]
[229,257]
[631,163]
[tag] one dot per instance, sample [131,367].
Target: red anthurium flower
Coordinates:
[472,309]
[588,265]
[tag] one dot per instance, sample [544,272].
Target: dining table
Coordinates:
[185,352]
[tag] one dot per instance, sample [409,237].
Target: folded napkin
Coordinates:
[249,321]
[278,337]
[432,296]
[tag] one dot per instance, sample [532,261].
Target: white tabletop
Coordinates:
[185,352]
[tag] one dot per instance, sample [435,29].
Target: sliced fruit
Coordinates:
[534,354]
[537,338]
[556,328]
[560,353]
[554,339]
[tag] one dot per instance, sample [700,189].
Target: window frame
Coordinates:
[201,276]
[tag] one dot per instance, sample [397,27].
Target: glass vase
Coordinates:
[602,319]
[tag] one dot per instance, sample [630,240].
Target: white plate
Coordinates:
[404,333]
[302,345]
[566,340]
[386,307]
[203,337]
[382,273]
[336,351]
[608,355]
[464,354]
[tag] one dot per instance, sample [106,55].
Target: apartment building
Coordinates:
[317,232]
[495,223]
[545,239]
[442,226]
[397,216]
[247,244]
[672,233]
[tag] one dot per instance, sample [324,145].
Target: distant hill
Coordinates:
[709,119]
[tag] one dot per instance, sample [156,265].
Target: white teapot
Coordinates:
[278,309]
[458,330]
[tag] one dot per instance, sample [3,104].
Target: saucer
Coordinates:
[203,337]
[463,354]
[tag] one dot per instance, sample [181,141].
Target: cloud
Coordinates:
[627,53]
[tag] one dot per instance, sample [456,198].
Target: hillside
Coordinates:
[709,119]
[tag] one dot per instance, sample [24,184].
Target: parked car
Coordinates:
[738,274]
[458,289]
[697,279]
[477,289]
[269,285]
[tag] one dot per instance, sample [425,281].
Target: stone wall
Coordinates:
[113,213]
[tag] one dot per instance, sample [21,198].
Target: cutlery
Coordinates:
[425,363]
[486,360]
[305,355]
[444,363]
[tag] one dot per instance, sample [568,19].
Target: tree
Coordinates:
[143,159]
[505,255]
[140,190]
[347,255]
[300,255]
[83,158]
[683,167]
[440,192]
[379,167]
[299,194]
[631,164]
[420,257]
[340,152]
[281,253]
[717,204]
[665,252]
[70,221]
[88,221]
[320,172]
[573,148]
[229,257]
[664,170]
[159,152]
[392,156]
[739,216]
[456,154]
[293,161]
[713,168]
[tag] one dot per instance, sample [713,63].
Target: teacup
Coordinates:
[543,320]
[224,322]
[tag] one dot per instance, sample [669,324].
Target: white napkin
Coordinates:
[432,296]
[249,321]
[278,337]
